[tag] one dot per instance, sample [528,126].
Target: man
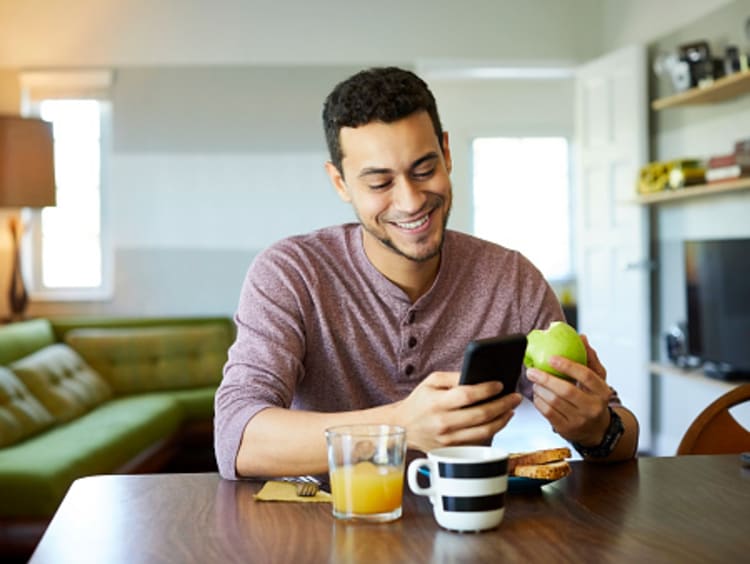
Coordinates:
[367,322]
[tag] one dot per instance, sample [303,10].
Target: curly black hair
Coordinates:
[384,94]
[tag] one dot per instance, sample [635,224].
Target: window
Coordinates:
[522,199]
[67,253]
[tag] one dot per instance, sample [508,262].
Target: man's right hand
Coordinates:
[437,412]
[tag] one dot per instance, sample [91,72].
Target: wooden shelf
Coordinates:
[694,374]
[721,89]
[695,191]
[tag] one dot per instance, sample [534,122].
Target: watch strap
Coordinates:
[612,435]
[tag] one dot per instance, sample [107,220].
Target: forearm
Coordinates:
[286,442]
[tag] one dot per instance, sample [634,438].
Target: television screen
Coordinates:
[717,274]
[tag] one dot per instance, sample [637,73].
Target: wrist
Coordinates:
[608,443]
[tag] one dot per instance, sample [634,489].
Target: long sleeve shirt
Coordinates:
[320,328]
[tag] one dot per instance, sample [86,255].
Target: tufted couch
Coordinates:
[91,396]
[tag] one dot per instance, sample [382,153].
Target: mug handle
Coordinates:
[411,475]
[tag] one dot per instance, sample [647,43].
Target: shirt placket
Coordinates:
[409,356]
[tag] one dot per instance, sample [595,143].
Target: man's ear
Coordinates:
[338,182]
[447,152]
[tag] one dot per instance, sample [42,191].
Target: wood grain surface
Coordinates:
[679,509]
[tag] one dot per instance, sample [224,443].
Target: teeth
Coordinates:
[414,224]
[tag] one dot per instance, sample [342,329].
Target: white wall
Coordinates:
[38,33]
[643,21]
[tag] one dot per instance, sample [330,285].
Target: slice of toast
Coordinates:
[537,457]
[548,471]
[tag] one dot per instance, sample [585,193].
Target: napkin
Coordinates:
[287,491]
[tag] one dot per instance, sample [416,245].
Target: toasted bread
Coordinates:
[537,457]
[548,471]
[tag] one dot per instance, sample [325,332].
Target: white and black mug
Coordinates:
[467,485]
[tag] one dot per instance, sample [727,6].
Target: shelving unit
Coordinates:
[694,191]
[721,89]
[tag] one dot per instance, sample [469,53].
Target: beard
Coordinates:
[436,202]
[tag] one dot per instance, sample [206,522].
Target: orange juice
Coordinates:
[366,488]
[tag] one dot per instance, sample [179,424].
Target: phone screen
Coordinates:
[497,358]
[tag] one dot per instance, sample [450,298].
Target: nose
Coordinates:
[408,197]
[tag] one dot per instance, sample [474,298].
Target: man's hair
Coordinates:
[384,94]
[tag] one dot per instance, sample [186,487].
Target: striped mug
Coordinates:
[467,485]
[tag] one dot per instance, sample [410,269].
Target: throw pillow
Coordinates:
[62,381]
[21,414]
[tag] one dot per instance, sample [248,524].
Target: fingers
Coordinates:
[593,359]
[442,380]
[573,411]
[477,424]
[587,377]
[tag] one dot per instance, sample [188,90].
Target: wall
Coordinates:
[643,21]
[693,131]
[44,33]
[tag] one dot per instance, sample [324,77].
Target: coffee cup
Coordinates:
[467,485]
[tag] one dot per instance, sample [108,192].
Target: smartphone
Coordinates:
[496,358]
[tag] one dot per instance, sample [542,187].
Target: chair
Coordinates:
[715,431]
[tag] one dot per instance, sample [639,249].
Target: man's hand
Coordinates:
[435,414]
[577,411]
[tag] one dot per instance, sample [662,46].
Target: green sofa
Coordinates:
[93,396]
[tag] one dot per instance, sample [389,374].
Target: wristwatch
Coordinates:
[609,442]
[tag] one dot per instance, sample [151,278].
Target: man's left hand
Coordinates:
[577,409]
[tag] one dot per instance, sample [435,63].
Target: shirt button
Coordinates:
[411,317]
[409,369]
[412,342]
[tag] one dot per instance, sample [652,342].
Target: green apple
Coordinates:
[560,339]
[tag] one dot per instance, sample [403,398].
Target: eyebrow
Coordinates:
[431,156]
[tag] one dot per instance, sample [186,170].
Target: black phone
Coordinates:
[496,358]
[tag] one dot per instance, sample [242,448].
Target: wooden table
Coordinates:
[684,509]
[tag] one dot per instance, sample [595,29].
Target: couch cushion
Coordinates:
[35,474]
[195,403]
[23,338]
[61,380]
[146,359]
[21,414]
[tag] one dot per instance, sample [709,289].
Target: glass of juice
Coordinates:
[366,470]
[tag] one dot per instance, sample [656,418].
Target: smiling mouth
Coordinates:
[414,225]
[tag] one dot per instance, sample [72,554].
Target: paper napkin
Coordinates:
[287,491]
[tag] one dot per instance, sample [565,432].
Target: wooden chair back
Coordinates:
[715,431]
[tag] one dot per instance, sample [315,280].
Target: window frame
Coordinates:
[35,88]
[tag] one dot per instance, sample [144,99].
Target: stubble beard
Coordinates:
[388,242]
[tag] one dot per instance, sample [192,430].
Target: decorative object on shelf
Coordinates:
[734,60]
[27,179]
[694,66]
[704,68]
[670,175]
[669,64]
[730,166]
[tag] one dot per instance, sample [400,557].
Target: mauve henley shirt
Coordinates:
[320,329]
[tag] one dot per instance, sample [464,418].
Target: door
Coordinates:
[612,236]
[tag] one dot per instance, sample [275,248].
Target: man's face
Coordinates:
[396,177]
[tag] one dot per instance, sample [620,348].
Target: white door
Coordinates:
[612,236]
